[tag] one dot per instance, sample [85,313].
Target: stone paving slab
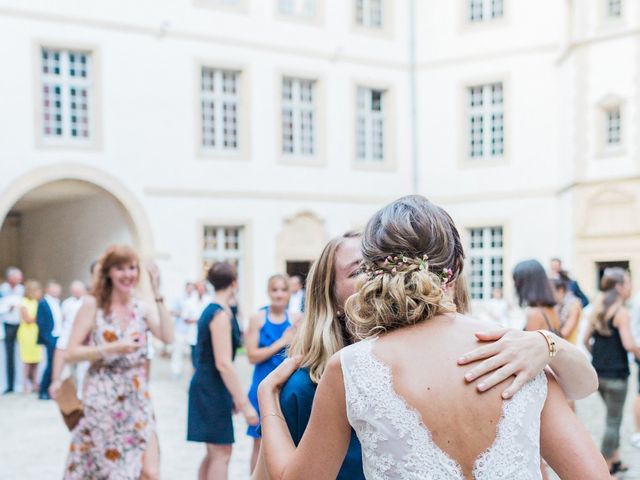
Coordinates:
[34,441]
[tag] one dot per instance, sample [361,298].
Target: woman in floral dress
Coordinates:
[116,439]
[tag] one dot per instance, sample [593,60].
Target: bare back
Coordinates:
[461,424]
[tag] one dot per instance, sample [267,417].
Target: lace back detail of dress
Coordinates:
[397,445]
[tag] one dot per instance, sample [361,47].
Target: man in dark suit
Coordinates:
[49,320]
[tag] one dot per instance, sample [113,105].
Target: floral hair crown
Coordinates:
[395,263]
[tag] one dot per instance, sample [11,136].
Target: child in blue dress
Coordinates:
[271,330]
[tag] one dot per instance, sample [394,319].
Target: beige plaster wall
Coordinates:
[59,241]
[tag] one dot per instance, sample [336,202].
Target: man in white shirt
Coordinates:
[180,329]
[296,301]
[70,308]
[11,293]
[49,319]
[193,308]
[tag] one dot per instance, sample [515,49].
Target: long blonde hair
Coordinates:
[413,252]
[611,278]
[322,332]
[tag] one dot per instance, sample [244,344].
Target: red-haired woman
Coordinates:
[116,438]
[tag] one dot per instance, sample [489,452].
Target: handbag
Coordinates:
[69,404]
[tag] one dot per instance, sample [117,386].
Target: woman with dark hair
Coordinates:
[536,294]
[400,387]
[215,392]
[116,437]
[609,338]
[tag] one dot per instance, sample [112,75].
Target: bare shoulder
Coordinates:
[464,328]
[89,301]
[220,318]
[621,316]
[456,331]
[473,324]
[257,318]
[333,370]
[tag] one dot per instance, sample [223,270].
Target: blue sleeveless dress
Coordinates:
[210,403]
[269,333]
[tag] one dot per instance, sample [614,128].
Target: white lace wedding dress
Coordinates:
[397,445]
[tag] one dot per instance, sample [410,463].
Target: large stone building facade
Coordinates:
[255,130]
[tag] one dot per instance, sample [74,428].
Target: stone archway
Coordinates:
[57,220]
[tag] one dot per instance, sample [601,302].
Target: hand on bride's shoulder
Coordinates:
[510,353]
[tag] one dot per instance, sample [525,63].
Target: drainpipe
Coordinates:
[413,97]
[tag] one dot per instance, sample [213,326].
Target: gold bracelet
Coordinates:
[551,343]
[273,414]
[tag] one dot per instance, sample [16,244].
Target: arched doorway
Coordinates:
[57,220]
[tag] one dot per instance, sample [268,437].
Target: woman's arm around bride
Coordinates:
[565,444]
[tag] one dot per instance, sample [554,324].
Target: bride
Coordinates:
[401,389]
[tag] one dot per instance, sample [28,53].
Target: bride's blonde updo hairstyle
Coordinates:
[413,257]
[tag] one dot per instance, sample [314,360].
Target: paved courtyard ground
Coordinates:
[33,440]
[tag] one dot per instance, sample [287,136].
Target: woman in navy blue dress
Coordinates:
[270,331]
[215,391]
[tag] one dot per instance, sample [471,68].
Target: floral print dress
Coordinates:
[111,438]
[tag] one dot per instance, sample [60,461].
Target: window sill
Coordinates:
[372,166]
[381,33]
[241,8]
[611,152]
[301,20]
[67,144]
[232,156]
[468,26]
[482,162]
[301,161]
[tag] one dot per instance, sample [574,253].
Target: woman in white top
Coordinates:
[401,387]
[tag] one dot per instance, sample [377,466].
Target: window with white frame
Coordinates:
[613,126]
[486,261]
[221,3]
[223,244]
[298,116]
[370,125]
[66,94]
[482,10]
[369,13]
[614,8]
[297,8]
[486,121]
[220,92]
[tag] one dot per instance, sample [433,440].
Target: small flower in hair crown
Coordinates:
[393,263]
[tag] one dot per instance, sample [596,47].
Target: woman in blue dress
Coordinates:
[332,279]
[215,392]
[270,332]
